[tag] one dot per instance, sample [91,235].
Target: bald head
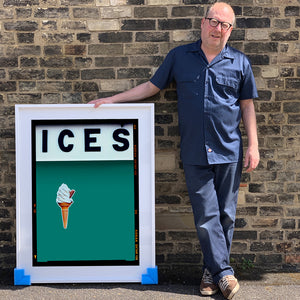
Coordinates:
[222,6]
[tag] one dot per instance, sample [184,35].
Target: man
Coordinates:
[215,88]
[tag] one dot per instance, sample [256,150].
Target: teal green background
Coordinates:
[101,223]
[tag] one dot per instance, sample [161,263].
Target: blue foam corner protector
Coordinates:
[20,278]
[151,277]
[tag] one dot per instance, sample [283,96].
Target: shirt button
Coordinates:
[209,150]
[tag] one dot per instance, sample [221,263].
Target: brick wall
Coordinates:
[72,51]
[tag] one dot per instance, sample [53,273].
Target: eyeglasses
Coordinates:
[214,23]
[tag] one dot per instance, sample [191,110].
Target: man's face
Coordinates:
[215,38]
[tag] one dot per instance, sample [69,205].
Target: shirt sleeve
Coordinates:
[164,74]
[248,89]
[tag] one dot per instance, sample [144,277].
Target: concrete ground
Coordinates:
[282,286]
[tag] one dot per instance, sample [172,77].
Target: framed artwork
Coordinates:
[85,193]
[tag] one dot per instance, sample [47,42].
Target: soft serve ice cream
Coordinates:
[64,200]
[64,194]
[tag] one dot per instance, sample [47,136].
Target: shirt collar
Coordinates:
[225,53]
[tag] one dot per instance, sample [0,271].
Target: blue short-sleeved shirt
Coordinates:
[209,97]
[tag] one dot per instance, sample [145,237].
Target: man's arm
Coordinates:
[249,120]
[139,92]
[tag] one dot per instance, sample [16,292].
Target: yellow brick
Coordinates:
[269,72]
[115,85]
[257,35]
[98,25]
[241,198]
[102,3]
[183,35]
[116,12]
[118,2]
[165,161]
[163,2]
[175,221]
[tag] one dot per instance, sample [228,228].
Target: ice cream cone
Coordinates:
[64,212]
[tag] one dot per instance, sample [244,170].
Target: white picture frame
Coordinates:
[26,272]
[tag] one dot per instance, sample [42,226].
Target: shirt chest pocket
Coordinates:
[227,87]
[188,86]
[228,82]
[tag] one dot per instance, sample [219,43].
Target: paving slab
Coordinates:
[284,286]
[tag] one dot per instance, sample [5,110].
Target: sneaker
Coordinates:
[229,286]
[207,286]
